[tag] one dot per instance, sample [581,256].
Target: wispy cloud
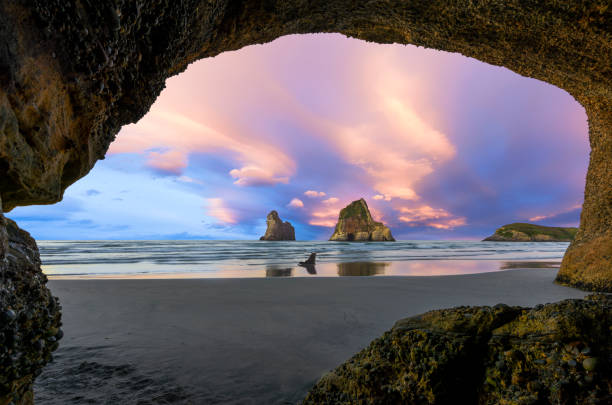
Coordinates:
[425,215]
[314,194]
[164,128]
[216,208]
[170,162]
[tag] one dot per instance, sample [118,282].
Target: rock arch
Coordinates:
[73,72]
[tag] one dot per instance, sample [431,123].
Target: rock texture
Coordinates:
[277,229]
[356,224]
[551,354]
[72,73]
[519,232]
[29,315]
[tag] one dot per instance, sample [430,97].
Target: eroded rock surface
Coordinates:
[356,224]
[551,354]
[277,229]
[29,315]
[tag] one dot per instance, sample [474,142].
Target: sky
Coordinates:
[441,146]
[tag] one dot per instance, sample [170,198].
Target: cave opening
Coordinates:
[81,82]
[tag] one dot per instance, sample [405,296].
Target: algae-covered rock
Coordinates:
[356,224]
[520,232]
[483,355]
[277,229]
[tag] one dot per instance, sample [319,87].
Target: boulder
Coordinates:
[277,229]
[551,354]
[356,224]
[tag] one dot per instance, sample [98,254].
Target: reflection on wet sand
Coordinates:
[361,268]
[529,265]
[279,272]
[310,268]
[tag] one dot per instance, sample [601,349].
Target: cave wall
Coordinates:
[30,316]
[73,72]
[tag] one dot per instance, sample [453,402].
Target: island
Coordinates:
[522,232]
[277,229]
[356,224]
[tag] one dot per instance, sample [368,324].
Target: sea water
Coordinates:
[225,259]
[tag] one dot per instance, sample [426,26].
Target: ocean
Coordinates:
[244,259]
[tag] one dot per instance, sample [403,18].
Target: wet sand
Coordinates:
[244,341]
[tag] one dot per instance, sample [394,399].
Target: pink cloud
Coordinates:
[314,194]
[537,218]
[425,215]
[258,162]
[256,176]
[324,216]
[216,208]
[331,200]
[172,162]
[296,203]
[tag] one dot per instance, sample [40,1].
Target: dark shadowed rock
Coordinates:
[356,224]
[277,229]
[483,355]
[29,315]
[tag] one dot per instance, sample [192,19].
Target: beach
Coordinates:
[244,340]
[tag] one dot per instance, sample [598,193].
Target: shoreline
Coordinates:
[245,341]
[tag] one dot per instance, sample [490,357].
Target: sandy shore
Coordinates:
[244,341]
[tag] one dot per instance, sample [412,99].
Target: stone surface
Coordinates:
[356,224]
[72,73]
[29,315]
[484,355]
[519,232]
[277,229]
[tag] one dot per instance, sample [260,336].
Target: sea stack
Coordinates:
[356,224]
[277,229]
[520,232]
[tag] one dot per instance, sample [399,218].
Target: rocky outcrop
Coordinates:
[552,354]
[356,224]
[520,232]
[29,315]
[277,229]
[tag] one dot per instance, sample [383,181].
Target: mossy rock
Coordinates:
[555,353]
[522,232]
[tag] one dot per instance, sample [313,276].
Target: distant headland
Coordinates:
[522,232]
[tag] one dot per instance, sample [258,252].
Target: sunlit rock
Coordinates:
[277,229]
[356,224]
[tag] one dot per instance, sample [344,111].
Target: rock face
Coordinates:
[29,315]
[356,224]
[519,232]
[72,73]
[277,229]
[556,353]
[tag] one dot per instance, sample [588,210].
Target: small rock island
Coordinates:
[356,224]
[521,232]
[277,229]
